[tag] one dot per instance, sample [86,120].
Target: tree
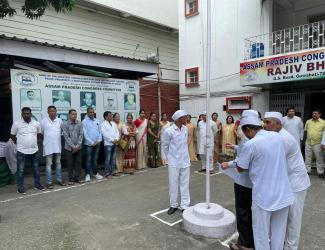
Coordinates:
[34,9]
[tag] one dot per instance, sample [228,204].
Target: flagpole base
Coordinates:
[214,222]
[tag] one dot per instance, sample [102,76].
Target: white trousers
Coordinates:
[204,159]
[269,228]
[294,221]
[316,150]
[179,178]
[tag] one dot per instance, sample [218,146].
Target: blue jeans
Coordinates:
[91,161]
[56,159]
[21,162]
[110,159]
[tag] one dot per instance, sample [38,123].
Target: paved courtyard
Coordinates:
[115,214]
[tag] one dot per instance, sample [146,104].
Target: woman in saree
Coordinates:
[164,124]
[119,150]
[129,134]
[217,138]
[191,138]
[153,141]
[228,136]
[141,140]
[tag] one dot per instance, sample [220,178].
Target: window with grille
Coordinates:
[192,77]
[191,7]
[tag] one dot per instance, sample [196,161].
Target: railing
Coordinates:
[307,36]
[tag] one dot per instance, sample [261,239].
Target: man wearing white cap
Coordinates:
[206,141]
[243,195]
[297,174]
[176,150]
[264,157]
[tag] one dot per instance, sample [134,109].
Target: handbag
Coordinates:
[122,143]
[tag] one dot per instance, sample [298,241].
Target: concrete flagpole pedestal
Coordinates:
[214,222]
[208,219]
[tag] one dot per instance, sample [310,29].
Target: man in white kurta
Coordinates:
[294,125]
[206,141]
[176,149]
[298,178]
[51,130]
[264,157]
[243,193]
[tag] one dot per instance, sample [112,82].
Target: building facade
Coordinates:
[257,48]
[96,36]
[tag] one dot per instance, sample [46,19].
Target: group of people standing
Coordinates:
[267,165]
[128,146]
[221,135]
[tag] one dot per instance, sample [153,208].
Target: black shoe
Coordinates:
[182,210]
[49,186]
[21,191]
[39,187]
[321,176]
[202,170]
[171,210]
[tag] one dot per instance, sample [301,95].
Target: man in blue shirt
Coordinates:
[92,140]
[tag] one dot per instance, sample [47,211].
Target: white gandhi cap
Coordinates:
[249,112]
[178,114]
[250,120]
[276,115]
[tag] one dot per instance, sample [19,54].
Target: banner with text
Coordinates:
[294,67]
[38,90]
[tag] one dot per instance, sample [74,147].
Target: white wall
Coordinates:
[233,21]
[163,12]
[298,14]
[96,32]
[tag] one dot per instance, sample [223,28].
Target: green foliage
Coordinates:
[5,9]
[34,9]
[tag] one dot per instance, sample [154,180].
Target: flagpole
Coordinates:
[208,219]
[208,125]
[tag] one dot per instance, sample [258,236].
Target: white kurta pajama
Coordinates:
[206,143]
[300,182]
[295,127]
[176,150]
[264,157]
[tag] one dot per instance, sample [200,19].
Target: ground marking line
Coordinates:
[163,221]
[227,241]
[65,188]
[49,191]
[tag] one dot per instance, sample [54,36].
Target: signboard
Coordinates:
[292,67]
[38,90]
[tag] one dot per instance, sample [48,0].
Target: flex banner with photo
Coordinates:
[38,90]
[300,66]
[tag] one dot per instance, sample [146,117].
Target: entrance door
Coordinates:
[315,101]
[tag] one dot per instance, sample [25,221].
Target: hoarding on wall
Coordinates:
[305,65]
[38,90]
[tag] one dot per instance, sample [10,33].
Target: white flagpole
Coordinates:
[208,125]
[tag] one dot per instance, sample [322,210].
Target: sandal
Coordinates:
[235,246]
